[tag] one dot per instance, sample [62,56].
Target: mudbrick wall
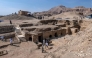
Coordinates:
[8,35]
[6,29]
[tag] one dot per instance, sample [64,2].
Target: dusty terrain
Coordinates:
[78,45]
[70,46]
[74,46]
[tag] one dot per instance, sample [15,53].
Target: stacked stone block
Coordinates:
[6,29]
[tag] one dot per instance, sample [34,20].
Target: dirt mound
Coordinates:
[15,17]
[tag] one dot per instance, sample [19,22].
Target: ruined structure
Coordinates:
[8,31]
[42,15]
[49,29]
[44,29]
[25,13]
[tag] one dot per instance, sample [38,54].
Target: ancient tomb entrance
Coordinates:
[61,34]
[40,38]
[30,38]
[76,31]
[56,35]
[50,36]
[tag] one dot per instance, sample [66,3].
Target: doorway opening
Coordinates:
[30,38]
[50,36]
[40,38]
[61,34]
[56,35]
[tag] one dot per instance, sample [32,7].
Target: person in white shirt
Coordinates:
[43,42]
[46,43]
[2,38]
[11,41]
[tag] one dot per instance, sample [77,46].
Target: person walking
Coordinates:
[11,41]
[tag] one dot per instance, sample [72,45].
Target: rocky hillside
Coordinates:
[67,15]
[54,10]
[74,46]
[60,9]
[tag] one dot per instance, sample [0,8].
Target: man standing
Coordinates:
[10,22]
[2,38]
[46,44]
[42,49]
[43,42]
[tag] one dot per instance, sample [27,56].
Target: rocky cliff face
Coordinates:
[60,9]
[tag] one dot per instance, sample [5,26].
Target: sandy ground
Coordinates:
[69,46]
[19,21]
[23,50]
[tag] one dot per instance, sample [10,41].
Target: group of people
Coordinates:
[45,45]
[3,39]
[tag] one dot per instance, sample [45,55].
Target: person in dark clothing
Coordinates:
[10,22]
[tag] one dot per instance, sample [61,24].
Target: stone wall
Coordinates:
[48,22]
[25,25]
[8,35]
[28,29]
[22,12]
[37,37]
[74,30]
[6,29]
[63,28]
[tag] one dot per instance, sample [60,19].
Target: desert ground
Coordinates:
[73,46]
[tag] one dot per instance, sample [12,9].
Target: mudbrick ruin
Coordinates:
[44,29]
